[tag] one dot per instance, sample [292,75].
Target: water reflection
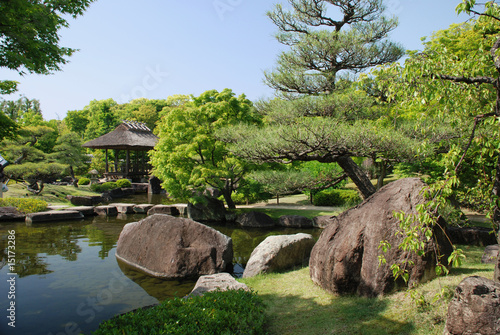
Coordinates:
[60,266]
[160,289]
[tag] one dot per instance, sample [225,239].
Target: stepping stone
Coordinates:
[51,216]
[143,208]
[124,208]
[164,209]
[106,210]
[85,210]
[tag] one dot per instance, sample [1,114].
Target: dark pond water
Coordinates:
[67,279]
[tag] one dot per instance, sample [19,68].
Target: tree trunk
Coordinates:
[382,174]
[227,196]
[72,174]
[357,175]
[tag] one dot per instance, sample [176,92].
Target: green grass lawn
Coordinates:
[297,306]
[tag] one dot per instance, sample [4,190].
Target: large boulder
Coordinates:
[479,236]
[207,209]
[474,308]
[345,259]
[295,221]
[255,220]
[84,200]
[278,253]
[220,281]
[169,247]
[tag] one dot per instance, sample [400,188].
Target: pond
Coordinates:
[66,279]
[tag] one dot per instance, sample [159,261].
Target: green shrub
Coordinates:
[228,312]
[335,197]
[123,183]
[24,205]
[83,181]
[99,188]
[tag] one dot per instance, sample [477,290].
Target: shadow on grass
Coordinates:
[292,314]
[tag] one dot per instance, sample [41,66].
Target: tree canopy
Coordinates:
[323,47]
[323,116]
[29,33]
[188,156]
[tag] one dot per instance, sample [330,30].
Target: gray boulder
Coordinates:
[490,254]
[208,209]
[474,308]
[255,220]
[345,258]
[479,236]
[174,248]
[84,200]
[295,221]
[220,281]
[278,253]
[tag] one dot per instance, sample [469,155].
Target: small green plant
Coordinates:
[336,197]
[228,312]
[83,181]
[123,183]
[99,188]
[24,205]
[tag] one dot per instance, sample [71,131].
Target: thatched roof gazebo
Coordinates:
[136,139]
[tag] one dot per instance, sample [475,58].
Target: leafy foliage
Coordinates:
[107,186]
[336,197]
[188,156]
[24,205]
[228,312]
[83,181]
[29,33]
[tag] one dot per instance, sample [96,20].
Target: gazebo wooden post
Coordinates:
[107,164]
[127,164]
[116,159]
[143,162]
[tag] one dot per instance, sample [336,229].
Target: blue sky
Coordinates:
[158,48]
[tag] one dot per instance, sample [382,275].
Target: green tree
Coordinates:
[324,118]
[8,128]
[102,119]
[77,121]
[29,33]
[68,150]
[188,156]
[142,110]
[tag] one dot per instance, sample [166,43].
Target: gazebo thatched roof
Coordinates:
[127,136]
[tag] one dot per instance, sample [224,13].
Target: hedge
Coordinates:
[217,312]
[336,197]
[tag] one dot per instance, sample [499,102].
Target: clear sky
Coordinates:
[157,48]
